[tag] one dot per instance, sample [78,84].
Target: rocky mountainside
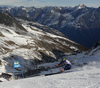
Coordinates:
[94,49]
[32,44]
[79,23]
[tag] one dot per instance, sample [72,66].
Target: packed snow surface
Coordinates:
[85,76]
[79,79]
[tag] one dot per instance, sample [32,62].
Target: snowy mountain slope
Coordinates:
[79,23]
[83,61]
[41,27]
[82,79]
[87,76]
[32,45]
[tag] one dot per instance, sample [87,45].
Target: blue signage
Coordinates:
[16,64]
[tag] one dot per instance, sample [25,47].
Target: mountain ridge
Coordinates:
[79,23]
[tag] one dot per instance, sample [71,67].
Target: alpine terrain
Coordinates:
[80,23]
[38,48]
[85,73]
[33,44]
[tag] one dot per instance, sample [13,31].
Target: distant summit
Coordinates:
[81,6]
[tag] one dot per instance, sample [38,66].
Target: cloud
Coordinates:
[9,2]
[27,0]
[42,3]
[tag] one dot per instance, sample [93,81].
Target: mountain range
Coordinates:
[80,23]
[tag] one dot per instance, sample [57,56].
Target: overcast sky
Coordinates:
[42,3]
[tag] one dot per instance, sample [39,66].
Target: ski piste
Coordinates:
[66,71]
[53,73]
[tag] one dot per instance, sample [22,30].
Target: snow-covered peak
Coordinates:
[23,8]
[80,6]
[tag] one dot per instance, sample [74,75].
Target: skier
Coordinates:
[66,63]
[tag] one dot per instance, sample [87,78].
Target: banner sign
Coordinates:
[16,64]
